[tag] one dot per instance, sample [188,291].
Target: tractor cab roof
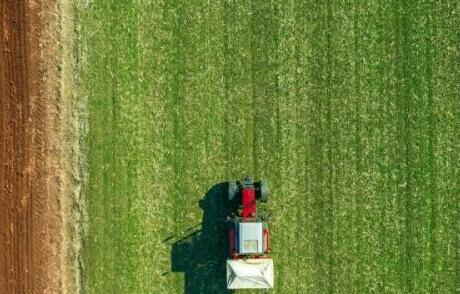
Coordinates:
[250,237]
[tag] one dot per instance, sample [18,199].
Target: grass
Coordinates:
[350,110]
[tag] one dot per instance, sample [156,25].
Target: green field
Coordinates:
[350,111]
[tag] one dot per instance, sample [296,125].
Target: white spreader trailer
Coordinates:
[250,273]
[249,266]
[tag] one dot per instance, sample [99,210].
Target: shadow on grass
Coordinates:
[202,254]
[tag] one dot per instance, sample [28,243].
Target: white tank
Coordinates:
[250,273]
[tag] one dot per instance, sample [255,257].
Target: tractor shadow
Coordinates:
[201,255]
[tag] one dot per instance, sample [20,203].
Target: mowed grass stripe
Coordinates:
[265,89]
[283,195]
[97,248]
[380,116]
[431,187]
[159,50]
[320,147]
[177,62]
[385,185]
[303,40]
[176,58]
[154,205]
[264,24]
[238,76]
[214,106]
[196,112]
[371,204]
[357,98]
[419,128]
[132,142]
[342,141]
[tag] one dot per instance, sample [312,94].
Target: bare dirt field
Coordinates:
[30,220]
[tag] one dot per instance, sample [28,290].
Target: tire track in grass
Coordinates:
[432,167]
[404,192]
[314,148]
[329,152]
[195,111]
[265,90]
[213,37]
[431,190]
[239,92]
[174,13]
[409,115]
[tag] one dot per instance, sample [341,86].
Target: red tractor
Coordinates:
[249,265]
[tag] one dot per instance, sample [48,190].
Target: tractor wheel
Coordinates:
[232,190]
[264,192]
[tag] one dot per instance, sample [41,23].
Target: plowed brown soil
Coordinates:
[30,234]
